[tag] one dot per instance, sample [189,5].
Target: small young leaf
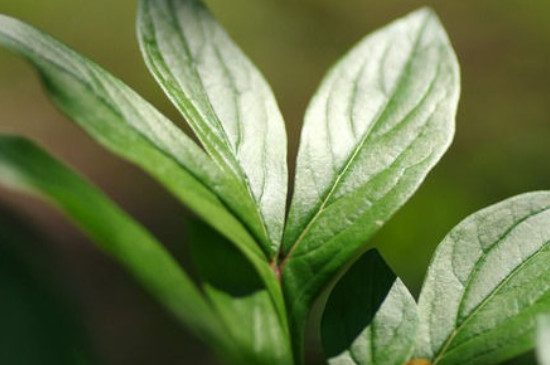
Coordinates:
[241,300]
[370,317]
[26,167]
[488,281]
[224,98]
[543,340]
[380,121]
[127,125]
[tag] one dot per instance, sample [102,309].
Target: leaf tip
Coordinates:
[424,12]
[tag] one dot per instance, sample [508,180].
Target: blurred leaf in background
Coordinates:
[39,324]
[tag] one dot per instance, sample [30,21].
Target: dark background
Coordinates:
[501,146]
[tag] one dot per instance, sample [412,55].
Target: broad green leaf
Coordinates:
[26,167]
[128,126]
[543,340]
[381,119]
[224,98]
[370,317]
[241,299]
[488,281]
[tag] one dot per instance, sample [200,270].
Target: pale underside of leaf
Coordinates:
[370,317]
[120,120]
[381,119]
[224,98]
[488,281]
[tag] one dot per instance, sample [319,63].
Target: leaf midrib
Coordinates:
[233,164]
[359,147]
[444,352]
[466,342]
[441,353]
[304,292]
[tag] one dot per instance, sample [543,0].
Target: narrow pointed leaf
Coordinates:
[128,126]
[488,282]
[370,317]
[224,98]
[26,167]
[381,119]
[239,296]
[543,340]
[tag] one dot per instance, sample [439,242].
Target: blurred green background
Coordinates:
[501,146]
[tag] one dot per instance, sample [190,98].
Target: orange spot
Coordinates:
[419,362]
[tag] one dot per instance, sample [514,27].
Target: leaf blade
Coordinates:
[225,100]
[493,265]
[46,328]
[381,119]
[241,299]
[121,121]
[26,167]
[370,317]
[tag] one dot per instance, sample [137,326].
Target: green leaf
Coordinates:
[224,98]
[127,125]
[543,340]
[241,300]
[488,281]
[40,322]
[381,119]
[370,317]
[26,167]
